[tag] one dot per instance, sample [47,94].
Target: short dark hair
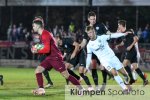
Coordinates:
[122,22]
[88,28]
[39,18]
[91,13]
[38,22]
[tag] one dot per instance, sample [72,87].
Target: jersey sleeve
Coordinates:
[104,28]
[89,56]
[105,37]
[46,38]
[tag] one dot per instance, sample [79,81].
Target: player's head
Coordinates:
[121,24]
[90,32]
[92,17]
[37,25]
[39,18]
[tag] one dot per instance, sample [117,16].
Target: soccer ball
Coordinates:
[39,46]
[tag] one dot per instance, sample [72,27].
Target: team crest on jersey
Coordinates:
[66,46]
[97,28]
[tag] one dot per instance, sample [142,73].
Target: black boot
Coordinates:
[1,80]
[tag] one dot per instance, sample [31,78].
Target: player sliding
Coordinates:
[99,46]
[53,60]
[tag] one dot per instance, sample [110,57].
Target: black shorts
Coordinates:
[131,56]
[95,57]
[80,59]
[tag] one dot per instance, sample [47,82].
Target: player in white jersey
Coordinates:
[99,46]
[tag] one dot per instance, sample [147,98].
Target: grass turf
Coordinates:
[19,82]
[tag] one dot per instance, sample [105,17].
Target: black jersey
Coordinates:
[128,40]
[67,45]
[99,28]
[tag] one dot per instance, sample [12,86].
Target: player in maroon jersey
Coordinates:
[53,60]
[41,57]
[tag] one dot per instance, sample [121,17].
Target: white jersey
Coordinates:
[100,47]
[104,53]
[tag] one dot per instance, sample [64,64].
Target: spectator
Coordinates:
[14,33]
[19,32]
[55,30]
[9,32]
[139,32]
[145,34]
[71,27]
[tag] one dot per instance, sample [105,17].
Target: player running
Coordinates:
[74,57]
[41,57]
[53,60]
[99,46]
[130,53]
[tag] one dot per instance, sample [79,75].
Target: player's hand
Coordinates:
[129,48]
[87,70]
[128,32]
[33,50]
[72,55]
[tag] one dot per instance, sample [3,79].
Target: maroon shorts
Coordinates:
[55,63]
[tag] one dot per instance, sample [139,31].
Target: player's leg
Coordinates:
[128,69]
[68,67]
[1,80]
[39,78]
[125,75]
[50,83]
[70,63]
[81,59]
[60,67]
[45,72]
[139,72]
[118,66]
[118,79]
[85,78]
[94,70]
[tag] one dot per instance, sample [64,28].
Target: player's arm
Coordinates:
[46,42]
[76,49]
[83,43]
[135,39]
[88,59]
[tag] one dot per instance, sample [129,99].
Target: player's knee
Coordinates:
[114,72]
[65,74]
[81,69]
[39,69]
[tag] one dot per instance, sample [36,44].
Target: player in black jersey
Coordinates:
[130,52]
[73,57]
[100,29]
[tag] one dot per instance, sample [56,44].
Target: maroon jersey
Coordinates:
[50,47]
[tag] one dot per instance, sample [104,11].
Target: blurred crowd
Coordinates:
[20,33]
[144,34]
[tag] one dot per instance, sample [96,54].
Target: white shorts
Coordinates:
[110,63]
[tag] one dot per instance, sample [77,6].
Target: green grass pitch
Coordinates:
[19,82]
